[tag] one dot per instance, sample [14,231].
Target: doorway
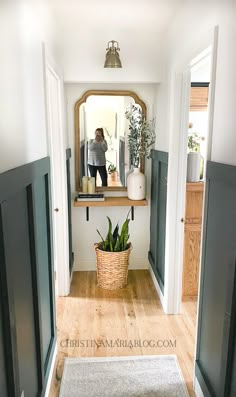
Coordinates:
[178,169]
[57,153]
[195,180]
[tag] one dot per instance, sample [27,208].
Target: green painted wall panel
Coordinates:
[217,296]
[3,375]
[18,260]
[26,280]
[44,270]
[158,215]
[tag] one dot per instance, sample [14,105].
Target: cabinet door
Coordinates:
[192,239]
[192,242]
[158,215]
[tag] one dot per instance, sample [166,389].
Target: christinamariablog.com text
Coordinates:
[118,343]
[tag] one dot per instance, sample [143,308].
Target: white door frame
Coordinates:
[177,169]
[57,153]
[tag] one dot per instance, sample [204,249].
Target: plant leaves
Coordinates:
[115,241]
[115,235]
[124,236]
[109,235]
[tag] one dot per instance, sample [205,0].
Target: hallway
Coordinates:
[96,322]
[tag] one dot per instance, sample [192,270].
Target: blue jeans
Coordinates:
[102,172]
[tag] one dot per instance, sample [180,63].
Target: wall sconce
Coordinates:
[112,57]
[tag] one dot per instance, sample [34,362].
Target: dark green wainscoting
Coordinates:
[27,308]
[156,253]
[216,344]
[71,253]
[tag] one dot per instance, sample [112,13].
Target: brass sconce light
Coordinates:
[112,55]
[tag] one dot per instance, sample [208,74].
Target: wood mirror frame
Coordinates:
[77,131]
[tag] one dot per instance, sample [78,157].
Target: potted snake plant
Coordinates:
[112,256]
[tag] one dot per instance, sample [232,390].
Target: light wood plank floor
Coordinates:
[96,322]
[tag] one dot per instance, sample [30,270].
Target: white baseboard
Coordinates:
[159,292]
[197,388]
[51,372]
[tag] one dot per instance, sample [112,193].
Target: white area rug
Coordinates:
[136,376]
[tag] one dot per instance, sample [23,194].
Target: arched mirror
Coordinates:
[105,109]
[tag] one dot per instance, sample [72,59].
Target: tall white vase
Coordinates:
[193,167]
[136,186]
[128,173]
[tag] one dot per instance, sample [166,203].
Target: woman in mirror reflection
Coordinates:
[97,158]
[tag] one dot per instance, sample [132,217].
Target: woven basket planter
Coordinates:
[112,268]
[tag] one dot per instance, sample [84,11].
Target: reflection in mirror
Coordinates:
[103,110]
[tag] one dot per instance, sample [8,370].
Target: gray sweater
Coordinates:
[97,152]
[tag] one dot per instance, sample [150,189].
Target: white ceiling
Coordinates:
[85,26]
[154,15]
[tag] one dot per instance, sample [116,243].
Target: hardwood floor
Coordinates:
[96,322]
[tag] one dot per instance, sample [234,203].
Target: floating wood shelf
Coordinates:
[112,202]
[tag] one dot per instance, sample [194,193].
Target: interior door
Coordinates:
[59,181]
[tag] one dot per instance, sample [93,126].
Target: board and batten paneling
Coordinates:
[3,371]
[156,253]
[215,359]
[71,254]
[27,319]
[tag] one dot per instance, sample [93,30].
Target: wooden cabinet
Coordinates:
[192,239]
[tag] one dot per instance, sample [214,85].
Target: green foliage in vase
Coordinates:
[194,141]
[141,135]
[115,242]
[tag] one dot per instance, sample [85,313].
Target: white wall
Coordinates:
[24,25]
[224,127]
[84,233]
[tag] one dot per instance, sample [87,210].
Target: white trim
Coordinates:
[212,92]
[62,263]
[51,372]
[176,180]
[197,388]
[157,287]
[200,57]
[180,89]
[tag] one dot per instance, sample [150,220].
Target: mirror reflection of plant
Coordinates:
[111,167]
[115,242]
[141,135]
[194,140]
[108,134]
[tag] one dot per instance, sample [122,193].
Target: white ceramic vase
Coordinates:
[128,173]
[193,167]
[136,186]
